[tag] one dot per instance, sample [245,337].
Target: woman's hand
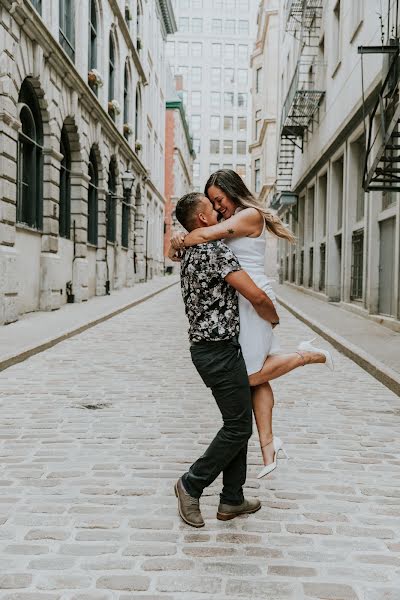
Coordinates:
[175,255]
[178,240]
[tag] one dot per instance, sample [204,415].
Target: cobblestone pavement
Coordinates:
[95,431]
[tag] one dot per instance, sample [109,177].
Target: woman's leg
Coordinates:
[277,365]
[262,398]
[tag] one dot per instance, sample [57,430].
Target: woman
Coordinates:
[243,230]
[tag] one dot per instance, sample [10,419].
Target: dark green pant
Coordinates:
[222,368]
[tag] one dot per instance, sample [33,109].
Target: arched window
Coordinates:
[138,112]
[30,161]
[111,207]
[126,101]
[92,35]
[65,187]
[38,5]
[67,27]
[93,198]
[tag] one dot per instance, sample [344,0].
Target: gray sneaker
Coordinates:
[227,511]
[189,507]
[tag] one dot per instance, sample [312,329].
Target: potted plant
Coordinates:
[139,44]
[128,13]
[128,129]
[94,78]
[114,107]
[138,145]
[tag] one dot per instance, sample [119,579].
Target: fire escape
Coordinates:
[303,21]
[382,157]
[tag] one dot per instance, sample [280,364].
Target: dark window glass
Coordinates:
[38,5]
[93,199]
[357,265]
[126,101]
[29,161]
[111,206]
[125,219]
[92,36]
[111,70]
[137,114]
[65,187]
[67,27]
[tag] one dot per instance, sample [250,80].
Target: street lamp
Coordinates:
[128,179]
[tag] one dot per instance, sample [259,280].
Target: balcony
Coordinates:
[303,16]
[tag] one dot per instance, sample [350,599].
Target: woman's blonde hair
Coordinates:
[232,184]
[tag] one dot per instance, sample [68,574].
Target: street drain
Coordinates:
[95,406]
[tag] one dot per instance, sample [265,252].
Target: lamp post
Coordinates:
[128,179]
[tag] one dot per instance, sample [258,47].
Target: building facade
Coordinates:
[82,89]
[211,50]
[179,156]
[337,168]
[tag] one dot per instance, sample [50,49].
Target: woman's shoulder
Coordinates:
[250,214]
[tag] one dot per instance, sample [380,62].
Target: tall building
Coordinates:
[179,155]
[337,170]
[211,50]
[82,95]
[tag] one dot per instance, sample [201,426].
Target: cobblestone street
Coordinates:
[95,432]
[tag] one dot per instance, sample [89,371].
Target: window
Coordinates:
[214,146]
[229,4]
[242,124]
[227,166]
[244,4]
[228,99]
[92,199]
[126,99]
[241,170]
[216,50]
[388,199]
[257,175]
[196,170]
[183,48]
[196,145]
[243,28]
[138,113]
[228,123]
[184,71]
[215,99]
[336,35]
[229,27]
[111,70]
[216,25]
[125,219]
[242,77]
[38,5]
[229,75]
[197,49]
[242,100]
[184,4]
[197,4]
[139,19]
[197,25]
[92,36]
[196,74]
[67,27]
[111,203]
[357,10]
[357,246]
[258,80]
[196,122]
[196,99]
[64,222]
[214,122]
[170,49]
[30,161]
[322,267]
[258,123]
[214,167]
[241,147]
[215,75]
[229,51]
[242,53]
[228,147]
[184,24]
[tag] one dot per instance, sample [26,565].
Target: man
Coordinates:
[210,277]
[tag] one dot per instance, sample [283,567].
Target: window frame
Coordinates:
[64,206]
[66,27]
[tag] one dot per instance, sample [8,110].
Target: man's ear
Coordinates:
[203,219]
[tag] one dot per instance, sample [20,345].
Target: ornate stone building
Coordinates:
[82,127]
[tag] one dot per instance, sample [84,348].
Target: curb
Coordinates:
[377,369]
[21,356]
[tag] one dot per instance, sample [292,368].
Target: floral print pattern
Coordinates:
[211,304]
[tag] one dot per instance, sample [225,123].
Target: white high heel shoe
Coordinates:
[272,466]
[307,347]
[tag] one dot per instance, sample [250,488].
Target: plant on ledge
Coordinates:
[128,13]
[138,145]
[128,129]
[139,44]
[114,107]
[94,78]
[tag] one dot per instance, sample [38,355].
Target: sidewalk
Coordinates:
[37,331]
[374,347]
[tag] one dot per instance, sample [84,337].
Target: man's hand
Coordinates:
[178,240]
[174,255]
[262,304]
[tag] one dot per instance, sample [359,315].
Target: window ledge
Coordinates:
[356,30]
[29,228]
[90,245]
[336,69]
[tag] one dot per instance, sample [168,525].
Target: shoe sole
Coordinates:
[229,516]
[180,510]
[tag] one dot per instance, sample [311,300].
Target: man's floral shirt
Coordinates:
[210,303]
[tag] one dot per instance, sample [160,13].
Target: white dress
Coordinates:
[257,337]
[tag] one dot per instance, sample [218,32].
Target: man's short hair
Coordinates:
[186,209]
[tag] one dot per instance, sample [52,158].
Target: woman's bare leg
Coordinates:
[277,365]
[263,402]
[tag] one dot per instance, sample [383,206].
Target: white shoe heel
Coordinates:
[272,466]
[308,347]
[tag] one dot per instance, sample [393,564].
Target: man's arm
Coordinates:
[263,305]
